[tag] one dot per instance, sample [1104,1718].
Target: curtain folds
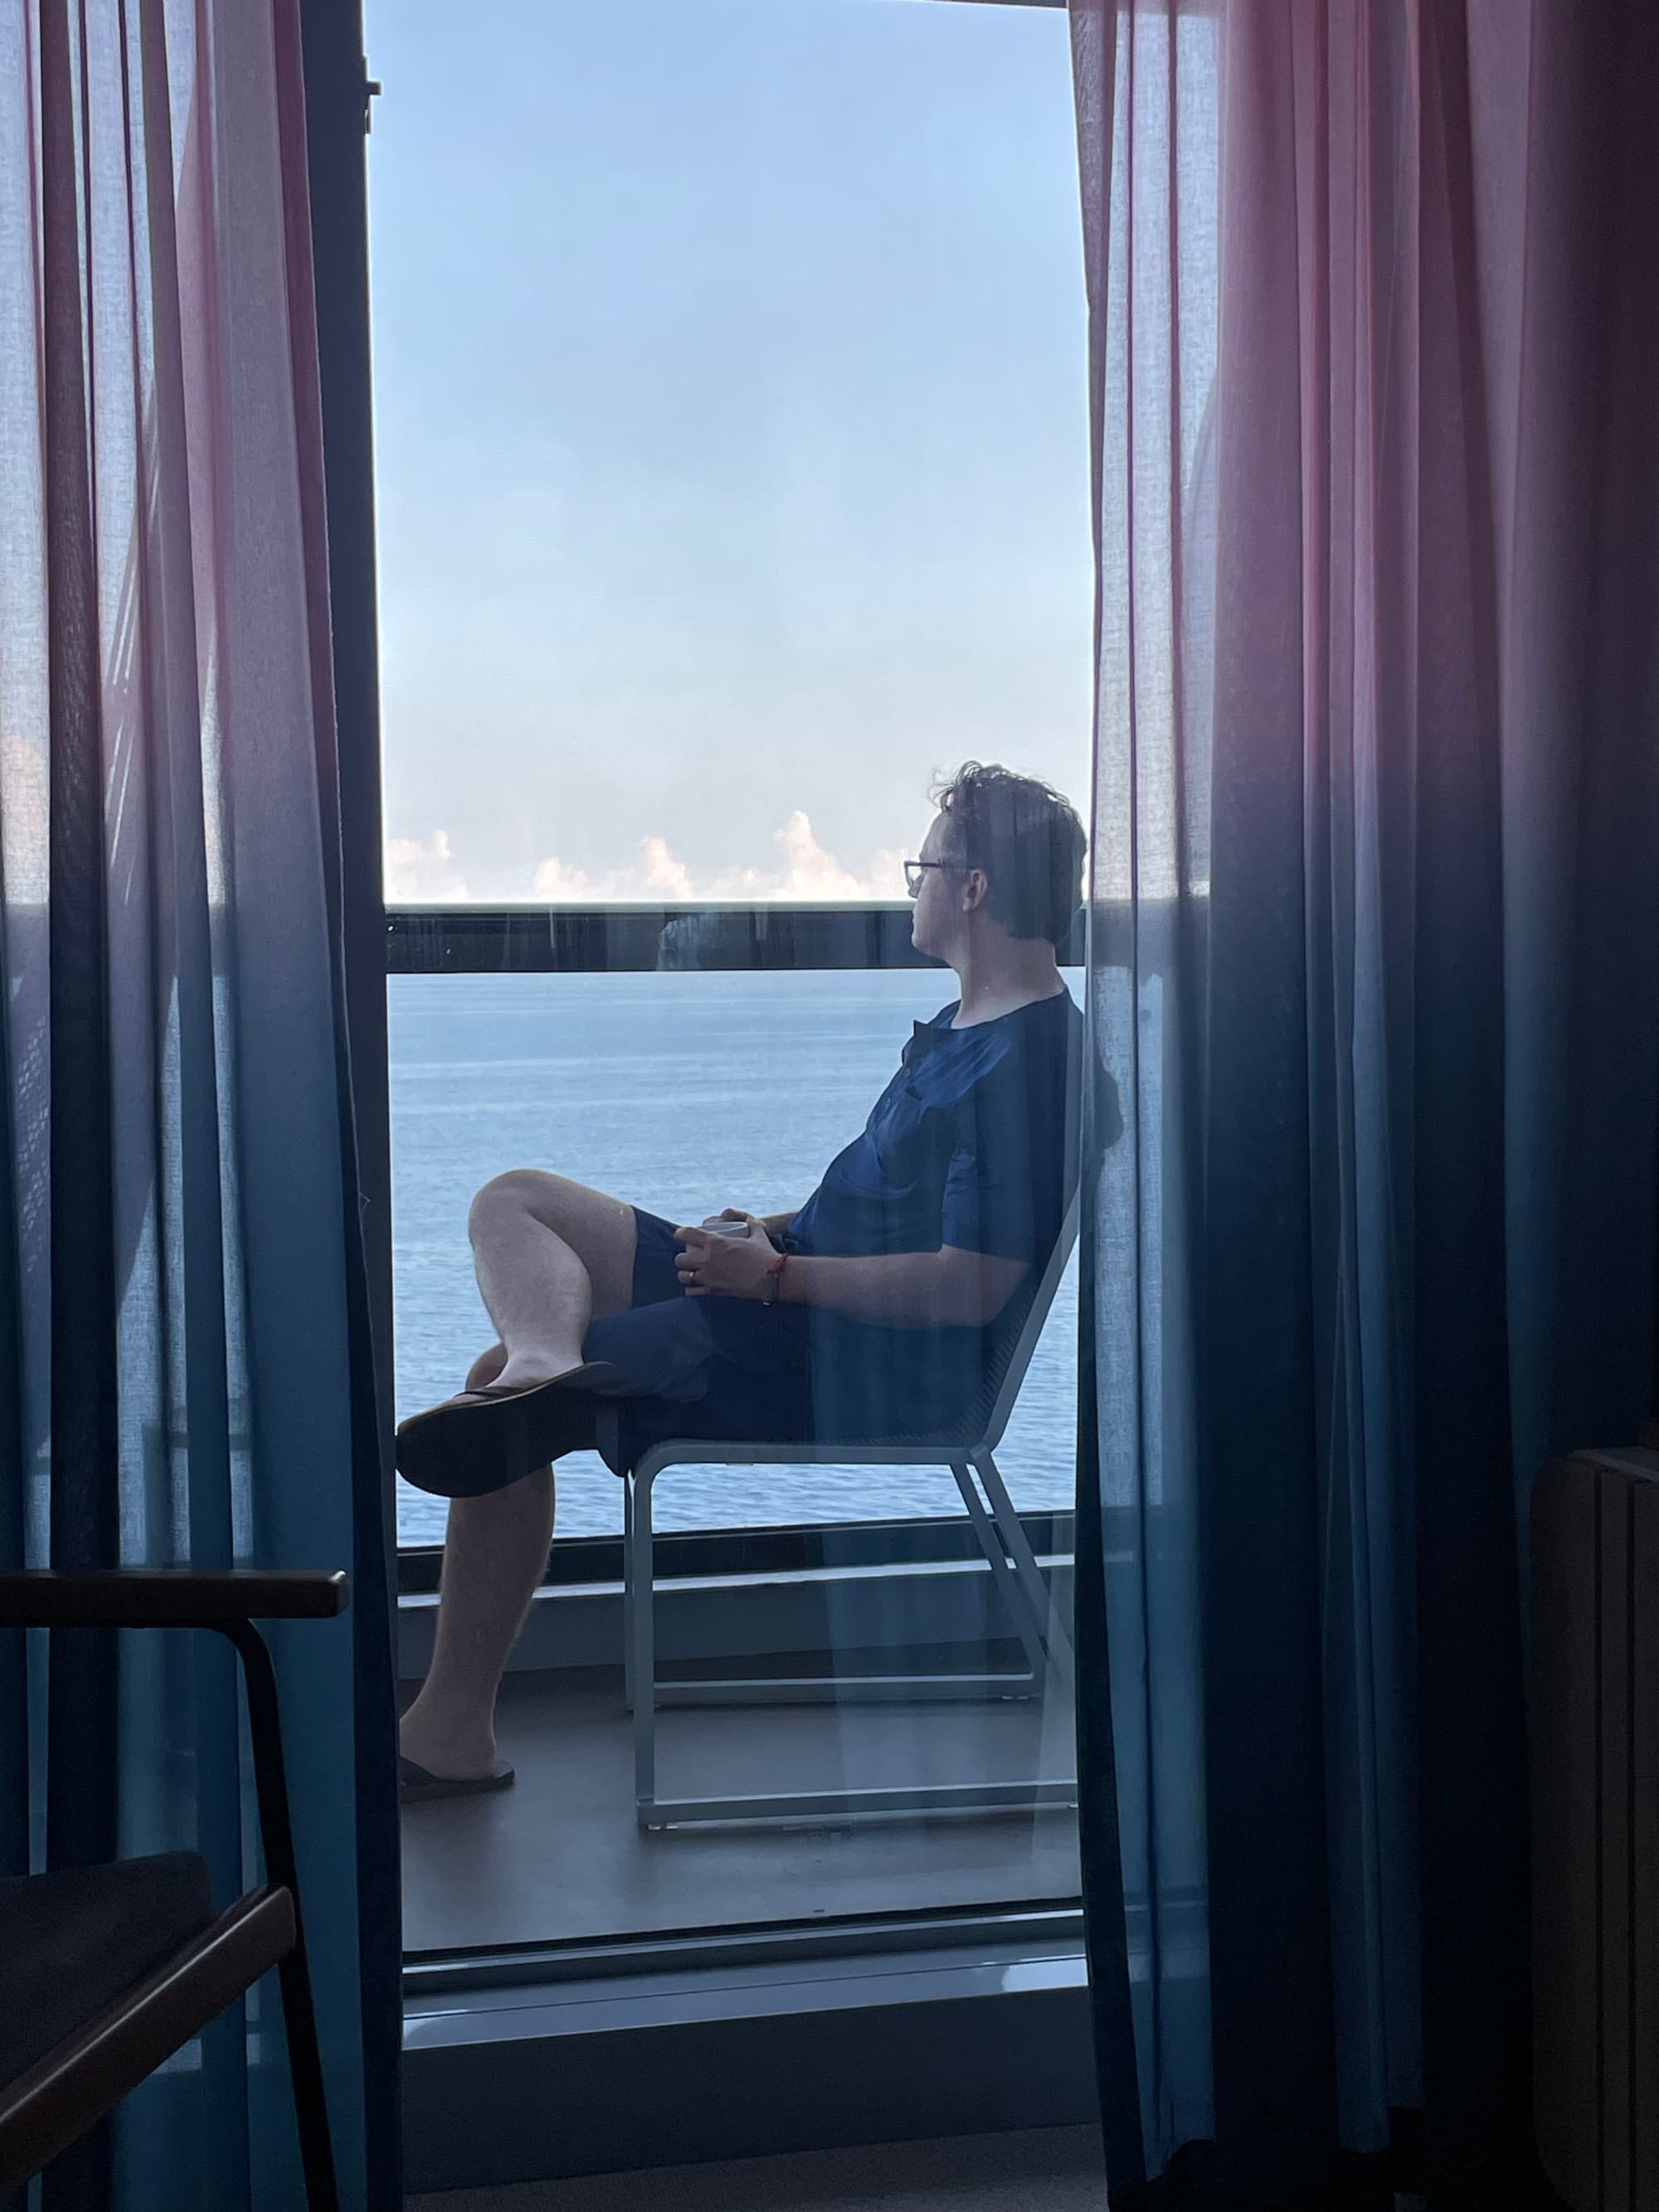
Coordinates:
[184,1360]
[1375,964]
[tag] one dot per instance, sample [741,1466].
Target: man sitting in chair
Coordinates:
[886,1306]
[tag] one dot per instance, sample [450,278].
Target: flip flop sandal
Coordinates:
[484,1439]
[416,1784]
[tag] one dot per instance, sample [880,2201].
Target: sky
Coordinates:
[731,437]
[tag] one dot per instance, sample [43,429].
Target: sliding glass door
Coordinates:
[733,472]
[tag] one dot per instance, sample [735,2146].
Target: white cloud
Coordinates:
[421,871]
[657,874]
[800,869]
[425,870]
[663,872]
[559,883]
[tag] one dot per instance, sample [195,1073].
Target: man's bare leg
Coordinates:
[496,1546]
[549,1254]
[495,1549]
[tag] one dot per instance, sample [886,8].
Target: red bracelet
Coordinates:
[772,1280]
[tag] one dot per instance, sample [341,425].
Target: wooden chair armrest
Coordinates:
[51,2105]
[166,1597]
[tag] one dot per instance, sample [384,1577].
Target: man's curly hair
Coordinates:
[1026,838]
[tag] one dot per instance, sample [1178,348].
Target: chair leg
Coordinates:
[1028,1623]
[1055,1638]
[1014,1566]
[642,1650]
[306,2064]
[305,2057]
[628,1593]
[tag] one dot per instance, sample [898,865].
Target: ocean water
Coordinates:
[682,1092]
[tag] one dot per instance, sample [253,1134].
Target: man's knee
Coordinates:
[598,1229]
[519,1191]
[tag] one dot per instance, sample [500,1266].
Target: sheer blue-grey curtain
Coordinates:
[1375,341]
[186,1374]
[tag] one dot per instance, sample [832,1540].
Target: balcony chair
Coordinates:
[110,1970]
[968,1451]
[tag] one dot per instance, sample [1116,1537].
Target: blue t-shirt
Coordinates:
[966,1146]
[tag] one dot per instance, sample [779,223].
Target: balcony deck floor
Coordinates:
[558,1855]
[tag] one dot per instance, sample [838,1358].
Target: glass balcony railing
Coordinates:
[682,1092]
[685,1060]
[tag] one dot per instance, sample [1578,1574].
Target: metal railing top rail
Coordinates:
[621,939]
[801,1547]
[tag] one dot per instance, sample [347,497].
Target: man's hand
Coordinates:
[713,1266]
[773,1224]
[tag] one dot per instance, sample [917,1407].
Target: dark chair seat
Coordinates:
[70,1942]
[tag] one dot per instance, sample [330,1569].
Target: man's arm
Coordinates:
[948,1289]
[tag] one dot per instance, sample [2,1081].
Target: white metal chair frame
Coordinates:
[1007,1551]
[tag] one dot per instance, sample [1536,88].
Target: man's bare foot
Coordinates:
[534,1363]
[453,1747]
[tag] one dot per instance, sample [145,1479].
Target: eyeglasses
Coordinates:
[914,870]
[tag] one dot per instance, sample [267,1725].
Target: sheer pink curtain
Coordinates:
[1374,346]
[181,1316]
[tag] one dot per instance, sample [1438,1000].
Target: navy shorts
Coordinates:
[701,1367]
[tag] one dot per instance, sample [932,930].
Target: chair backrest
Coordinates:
[1037,1315]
